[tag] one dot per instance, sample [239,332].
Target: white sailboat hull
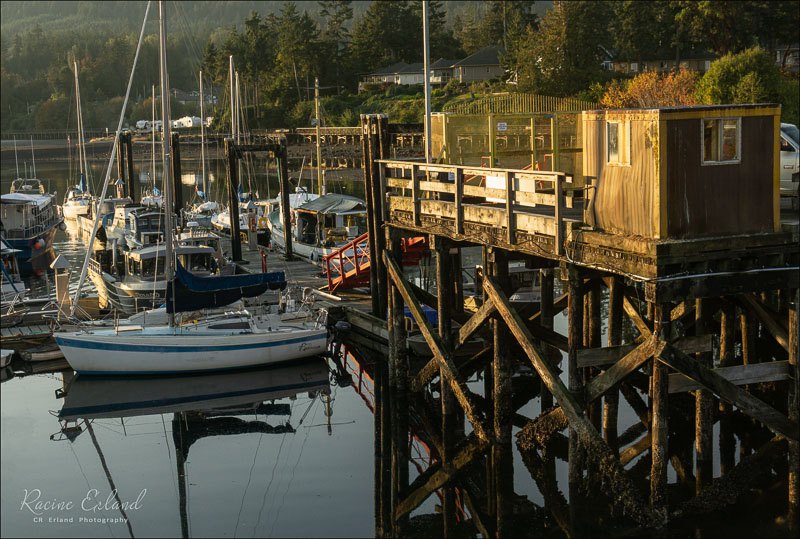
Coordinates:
[72,211]
[178,350]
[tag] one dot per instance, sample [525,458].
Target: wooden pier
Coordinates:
[701,329]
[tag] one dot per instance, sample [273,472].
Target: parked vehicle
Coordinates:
[790,159]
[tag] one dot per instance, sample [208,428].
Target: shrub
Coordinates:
[748,77]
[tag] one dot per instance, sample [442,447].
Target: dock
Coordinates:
[701,316]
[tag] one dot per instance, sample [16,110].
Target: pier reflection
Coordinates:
[203,405]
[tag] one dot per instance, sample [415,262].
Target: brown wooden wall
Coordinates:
[625,201]
[719,199]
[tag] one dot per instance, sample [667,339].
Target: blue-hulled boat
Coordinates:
[30,219]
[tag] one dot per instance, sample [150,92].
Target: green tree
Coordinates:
[334,39]
[748,77]
[562,57]
[388,32]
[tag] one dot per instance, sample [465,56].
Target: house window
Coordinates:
[618,143]
[721,141]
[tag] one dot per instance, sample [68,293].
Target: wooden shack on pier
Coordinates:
[683,172]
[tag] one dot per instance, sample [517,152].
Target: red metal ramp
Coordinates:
[348,266]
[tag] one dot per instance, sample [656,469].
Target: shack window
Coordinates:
[618,143]
[721,141]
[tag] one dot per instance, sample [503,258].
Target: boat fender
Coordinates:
[38,244]
[262,222]
[62,226]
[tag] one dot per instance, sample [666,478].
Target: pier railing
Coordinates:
[516,204]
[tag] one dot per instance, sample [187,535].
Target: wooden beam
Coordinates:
[633,451]
[549,336]
[768,319]
[431,369]
[435,344]
[558,305]
[643,326]
[620,483]
[737,375]
[724,389]
[622,368]
[595,357]
[435,477]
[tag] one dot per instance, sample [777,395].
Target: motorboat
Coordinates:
[30,219]
[134,280]
[321,226]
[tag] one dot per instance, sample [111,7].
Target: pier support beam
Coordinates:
[121,163]
[727,337]
[659,449]
[502,456]
[177,186]
[233,196]
[398,359]
[374,145]
[129,153]
[611,398]
[575,384]
[794,404]
[704,402]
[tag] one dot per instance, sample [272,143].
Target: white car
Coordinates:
[790,158]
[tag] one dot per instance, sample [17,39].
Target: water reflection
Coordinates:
[209,405]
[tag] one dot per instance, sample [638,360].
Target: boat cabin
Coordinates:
[683,172]
[329,219]
[149,262]
[145,227]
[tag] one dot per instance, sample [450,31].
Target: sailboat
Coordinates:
[235,339]
[77,200]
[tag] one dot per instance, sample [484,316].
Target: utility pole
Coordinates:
[319,148]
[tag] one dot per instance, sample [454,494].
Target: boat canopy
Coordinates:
[334,203]
[194,293]
[153,251]
[26,198]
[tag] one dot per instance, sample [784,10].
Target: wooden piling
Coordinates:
[177,187]
[575,383]
[399,359]
[121,163]
[502,457]
[727,337]
[794,403]
[129,153]
[444,294]
[546,321]
[704,402]
[611,398]
[659,430]
[233,196]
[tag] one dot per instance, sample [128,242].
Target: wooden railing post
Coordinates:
[559,192]
[459,179]
[415,192]
[511,222]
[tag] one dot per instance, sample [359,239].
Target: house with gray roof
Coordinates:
[483,65]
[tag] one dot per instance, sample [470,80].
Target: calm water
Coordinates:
[272,466]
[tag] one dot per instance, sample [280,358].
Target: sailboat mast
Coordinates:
[16,160]
[233,98]
[153,133]
[203,138]
[78,109]
[166,157]
[33,156]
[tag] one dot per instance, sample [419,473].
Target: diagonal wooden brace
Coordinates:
[620,482]
[726,390]
[431,369]
[446,365]
[622,368]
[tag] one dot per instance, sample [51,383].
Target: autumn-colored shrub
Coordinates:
[652,89]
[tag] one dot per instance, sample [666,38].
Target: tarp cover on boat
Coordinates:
[334,203]
[193,293]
